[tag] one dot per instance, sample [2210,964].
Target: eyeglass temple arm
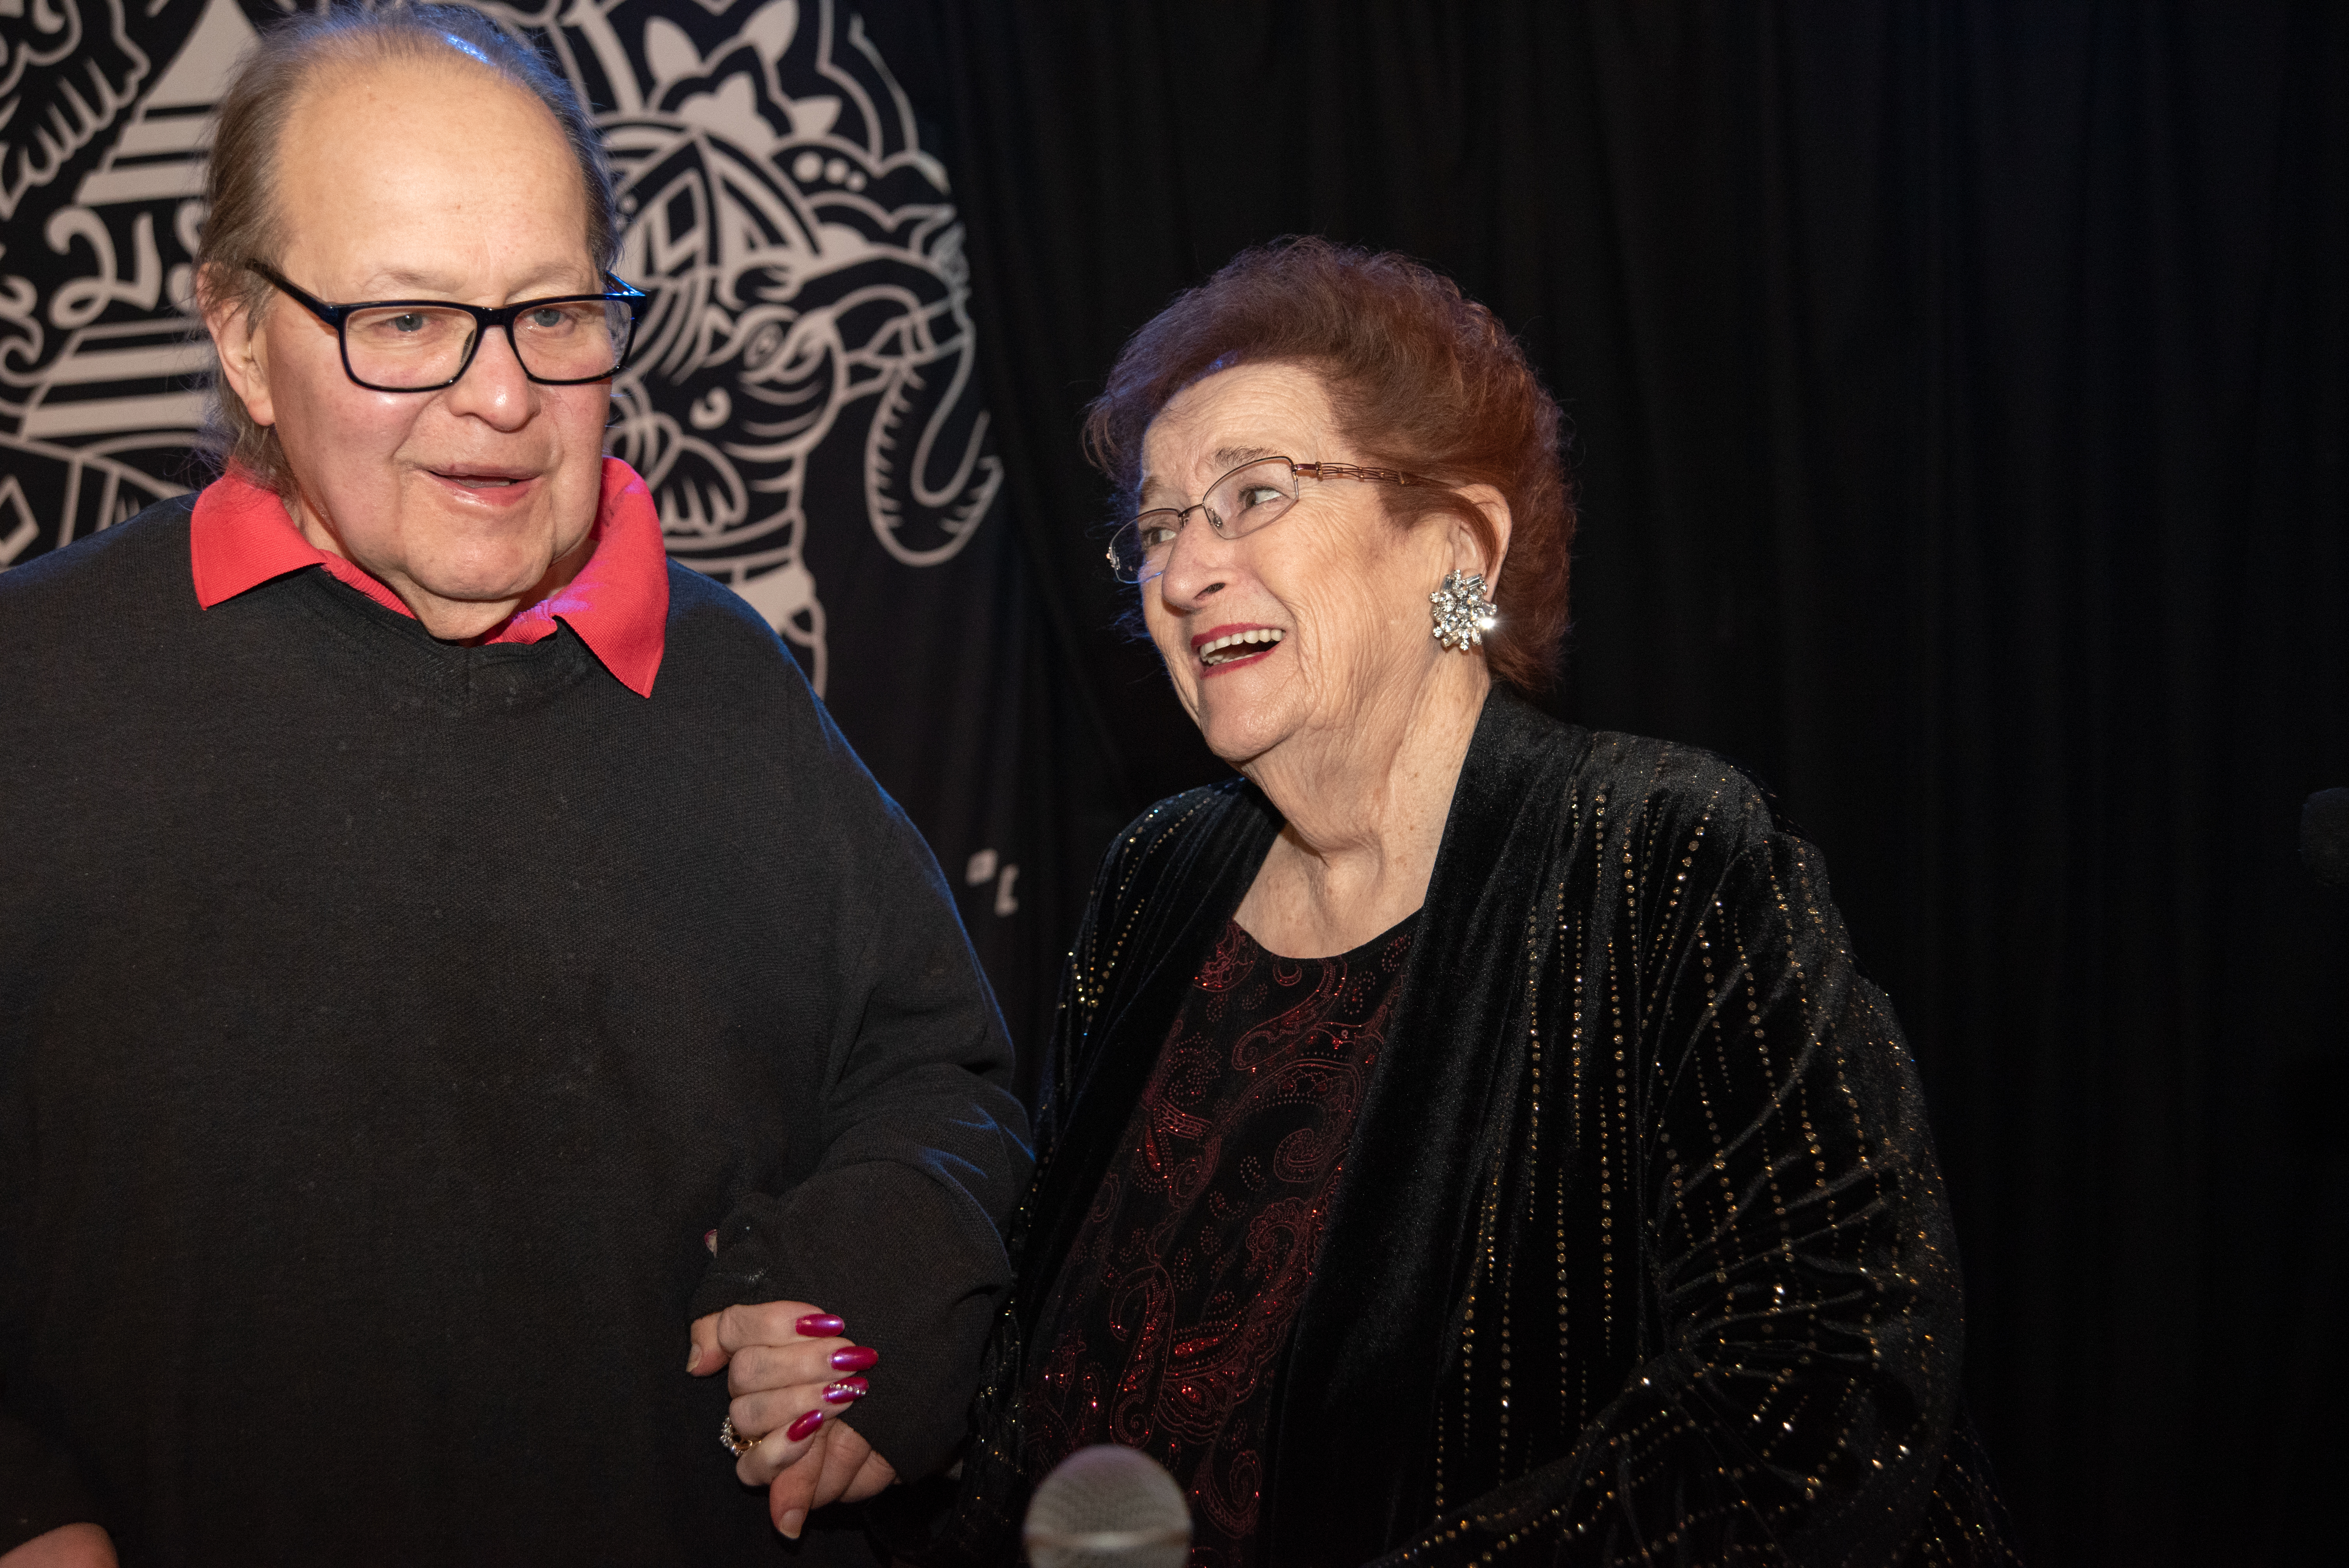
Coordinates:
[1349,471]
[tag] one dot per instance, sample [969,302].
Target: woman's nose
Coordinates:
[1197,561]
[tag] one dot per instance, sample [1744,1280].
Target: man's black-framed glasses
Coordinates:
[424,345]
[1258,492]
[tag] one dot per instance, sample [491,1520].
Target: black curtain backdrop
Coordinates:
[1958,395]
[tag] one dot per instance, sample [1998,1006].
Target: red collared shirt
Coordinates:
[240,537]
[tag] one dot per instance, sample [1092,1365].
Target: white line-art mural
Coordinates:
[809,338]
[95,413]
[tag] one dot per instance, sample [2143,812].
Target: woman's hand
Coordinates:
[792,1373]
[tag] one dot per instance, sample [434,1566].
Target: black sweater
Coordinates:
[383,1023]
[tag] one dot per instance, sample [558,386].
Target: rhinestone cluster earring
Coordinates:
[1462,610]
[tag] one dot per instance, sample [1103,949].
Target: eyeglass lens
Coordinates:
[1241,502]
[413,345]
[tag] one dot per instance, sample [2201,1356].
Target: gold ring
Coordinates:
[736,1443]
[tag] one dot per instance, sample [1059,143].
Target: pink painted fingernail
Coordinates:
[847,1388]
[710,1240]
[819,1326]
[803,1426]
[855,1359]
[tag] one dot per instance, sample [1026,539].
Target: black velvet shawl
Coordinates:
[1640,1250]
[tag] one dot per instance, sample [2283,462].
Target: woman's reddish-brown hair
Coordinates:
[1420,379]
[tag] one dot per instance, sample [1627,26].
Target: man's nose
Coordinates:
[494,386]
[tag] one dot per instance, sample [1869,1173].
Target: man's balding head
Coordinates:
[314,55]
[397,159]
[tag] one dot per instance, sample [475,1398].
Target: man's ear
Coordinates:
[1467,554]
[243,359]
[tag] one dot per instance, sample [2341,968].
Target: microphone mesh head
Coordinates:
[1108,1507]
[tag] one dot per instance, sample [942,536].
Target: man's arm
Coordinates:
[900,1228]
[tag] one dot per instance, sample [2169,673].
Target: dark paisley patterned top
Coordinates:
[1163,1328]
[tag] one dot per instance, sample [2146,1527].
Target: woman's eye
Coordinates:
[1157,533]
[1258,495]
[410,322]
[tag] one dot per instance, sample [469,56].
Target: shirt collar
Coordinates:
[240,537]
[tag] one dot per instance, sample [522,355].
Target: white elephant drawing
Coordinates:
[808,285]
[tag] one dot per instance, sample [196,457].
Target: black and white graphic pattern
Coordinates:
[810,296]
[95,410]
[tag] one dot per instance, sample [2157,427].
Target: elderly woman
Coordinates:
[1467,1137]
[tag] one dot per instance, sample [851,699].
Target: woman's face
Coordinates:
[1335,594]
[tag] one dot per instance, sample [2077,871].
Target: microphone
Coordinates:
[1108,1507]
[2324,836]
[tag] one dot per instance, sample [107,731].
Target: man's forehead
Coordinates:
[402,173]
[341,108]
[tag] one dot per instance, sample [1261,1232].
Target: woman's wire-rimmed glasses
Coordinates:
[1257,493]
[424,345]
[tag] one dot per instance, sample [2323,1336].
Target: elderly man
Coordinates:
[449,962]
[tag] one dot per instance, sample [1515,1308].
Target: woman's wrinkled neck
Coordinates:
[1363,811]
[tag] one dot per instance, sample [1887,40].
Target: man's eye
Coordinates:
[408,321]
[548,318]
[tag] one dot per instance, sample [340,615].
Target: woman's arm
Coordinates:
[1750,1200]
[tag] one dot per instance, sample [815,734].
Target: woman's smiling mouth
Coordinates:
[1224,647]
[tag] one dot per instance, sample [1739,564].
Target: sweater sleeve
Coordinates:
[899,1229]
[1775,1212]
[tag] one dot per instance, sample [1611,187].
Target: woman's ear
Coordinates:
[243,358]
[1468,553]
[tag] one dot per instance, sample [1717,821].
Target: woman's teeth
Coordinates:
[1237,644]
